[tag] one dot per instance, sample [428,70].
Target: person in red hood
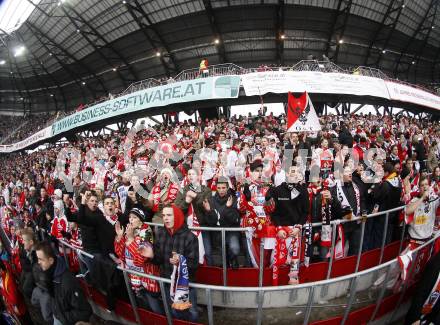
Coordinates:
[172,240]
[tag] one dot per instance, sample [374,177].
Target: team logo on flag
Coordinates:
[301,115]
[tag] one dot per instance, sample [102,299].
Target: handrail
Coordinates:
[312,287]
[270,288]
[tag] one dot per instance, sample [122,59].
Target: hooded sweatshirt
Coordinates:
[178,239]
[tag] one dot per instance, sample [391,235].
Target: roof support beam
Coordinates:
[336,35]
[279,32]
[218,39]
[383,33]
[100,44]
[431,19]
[403,65]
[75,76]
[37,75]
[167,59]
[12,74]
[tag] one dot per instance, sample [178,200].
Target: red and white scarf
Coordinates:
[343,199]
[168,193]
[286,253]
[192,221]
[340,243]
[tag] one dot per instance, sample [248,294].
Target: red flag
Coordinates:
[295,107]
[301,115]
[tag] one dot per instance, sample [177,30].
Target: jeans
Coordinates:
[207,244]
[233,244]
[191,314]
[352,233]
[150,300]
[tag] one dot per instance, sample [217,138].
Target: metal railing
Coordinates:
[315,289]
[334,224]
[312,288]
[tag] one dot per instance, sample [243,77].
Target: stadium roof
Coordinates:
[69,52]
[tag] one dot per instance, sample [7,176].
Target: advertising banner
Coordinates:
[179,92]
[414,95]
[260,83]
[40,135]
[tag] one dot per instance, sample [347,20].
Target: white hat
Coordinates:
[58,193]
[166,170]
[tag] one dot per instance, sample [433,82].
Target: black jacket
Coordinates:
[70,304]
[129,205]
[288,211]
[345,137]
[427,281]
[366,190]
[27,282]
[220,215]
[183,242]
[350,194]
[316,208]
[387,194]
[98,229]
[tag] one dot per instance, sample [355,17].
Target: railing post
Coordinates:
[381,293]
[384,238]
[224,257]
[165,304]
[361,243]
[332,251]
[309,305]
[353,284]
[209,307]
[132,297]
[260,306]
[402,236]
[261,265]
[225,275]
[405,285]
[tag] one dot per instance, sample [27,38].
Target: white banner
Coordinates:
[40,135]
[414,95]
[260,83]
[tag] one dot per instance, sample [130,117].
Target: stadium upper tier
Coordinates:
[227,84]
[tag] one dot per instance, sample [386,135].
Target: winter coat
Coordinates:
[70,304]
[220,214]
[387,194]
[288,211]
[97,226]
[182,241]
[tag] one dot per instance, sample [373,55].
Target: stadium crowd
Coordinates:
[227,172]
[23,126]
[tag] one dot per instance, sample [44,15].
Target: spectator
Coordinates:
[386,196]
[70,306]
[175,238]
[421,213]
[220,210]
[130,247]
[352,205]
[164,192]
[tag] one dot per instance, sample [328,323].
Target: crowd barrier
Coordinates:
[306,298]
[360,220]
